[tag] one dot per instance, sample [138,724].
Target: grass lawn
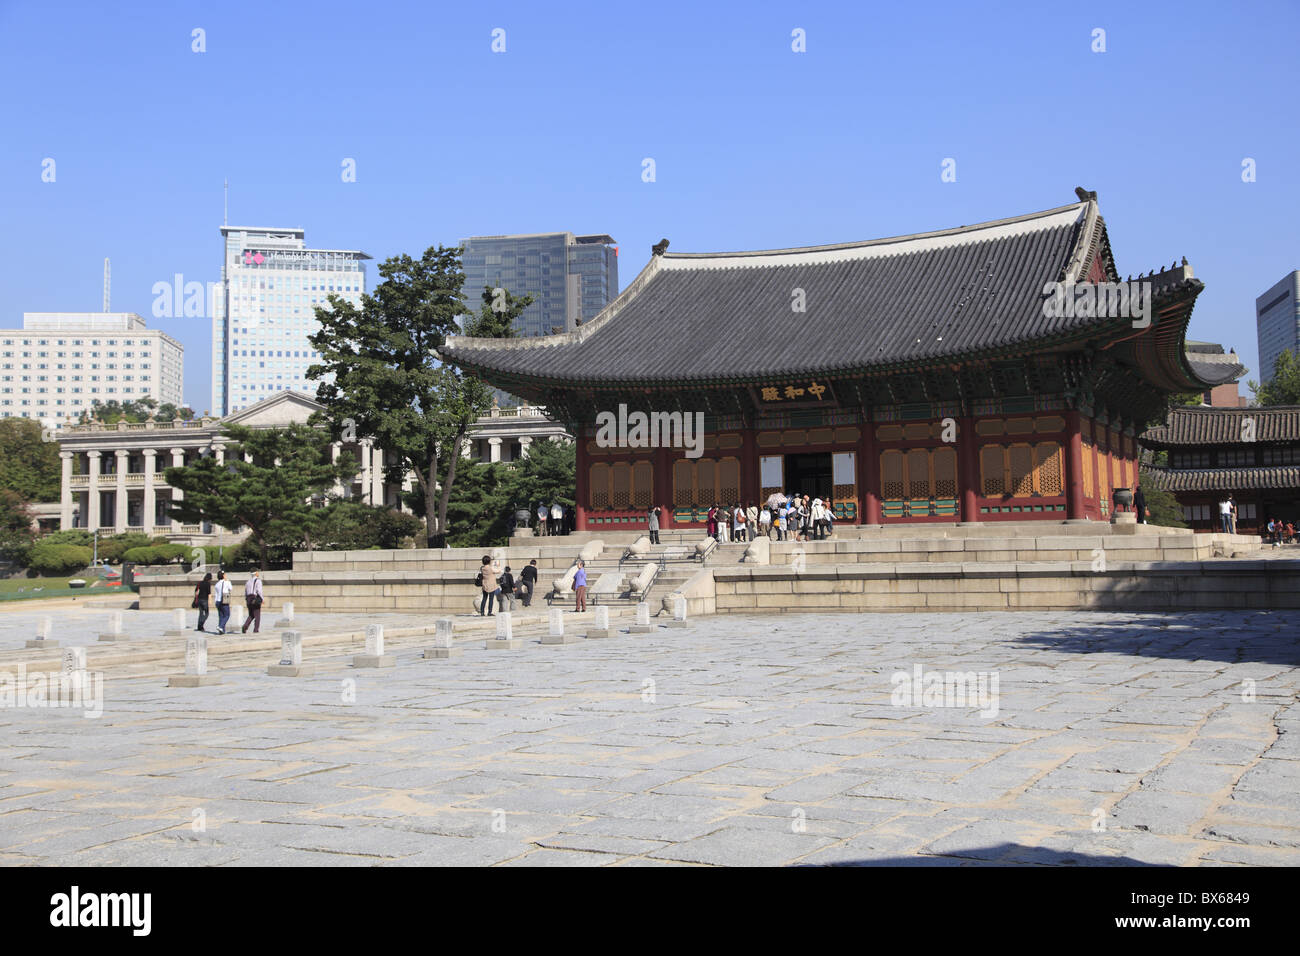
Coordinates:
[18,589]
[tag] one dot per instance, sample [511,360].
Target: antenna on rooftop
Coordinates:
[108,283]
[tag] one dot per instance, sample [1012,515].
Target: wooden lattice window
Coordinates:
[918,473]
[621,490]
[1047,476]
[1021,466]
[992,470]
[643,484]
[706,482]
[729,481]
[599,485]
[945,473]
[683,483]
[891,474]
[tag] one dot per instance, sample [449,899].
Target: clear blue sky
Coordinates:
[756,146]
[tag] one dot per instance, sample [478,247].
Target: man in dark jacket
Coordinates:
[507,590]
[528,582]
[1140,505]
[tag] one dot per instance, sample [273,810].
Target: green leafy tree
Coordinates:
[135,410]
[548,474]
[16,533]
[1284,387]
[356,526]
[29,465]
[1163,506]
[380,374]
[273,494]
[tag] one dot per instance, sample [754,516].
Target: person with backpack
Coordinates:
[528,582]
[201,592]
[221,593]
[507,592]
[253,599]
[487,582]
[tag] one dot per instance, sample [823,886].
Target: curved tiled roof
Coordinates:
[1224,426]
[887,302]
[1224,479]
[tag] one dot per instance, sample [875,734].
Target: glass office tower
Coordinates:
[571,278]
[271,284]
[1277,323]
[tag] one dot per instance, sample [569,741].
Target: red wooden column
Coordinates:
[664,486]
[868,472]
[968,473]
[1073,467]
[750,488]
[583,479]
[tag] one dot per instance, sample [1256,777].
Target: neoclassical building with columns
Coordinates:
[113,474]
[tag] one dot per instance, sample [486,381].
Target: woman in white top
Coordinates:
[738,525]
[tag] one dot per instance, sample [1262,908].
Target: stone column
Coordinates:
[336,449]
[92,493]
[363,448]
[119,496]
[523,447]
[377,476]
[149,508]
[178,461]
[494,449]
[219,450]
[65,492]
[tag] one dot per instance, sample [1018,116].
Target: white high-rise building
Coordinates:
[271,285]
[59,363]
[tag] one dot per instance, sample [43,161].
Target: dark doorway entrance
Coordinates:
[809,475]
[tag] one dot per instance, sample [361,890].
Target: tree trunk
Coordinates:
[451,478]
[430,500]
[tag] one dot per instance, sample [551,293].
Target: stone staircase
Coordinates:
[612,577]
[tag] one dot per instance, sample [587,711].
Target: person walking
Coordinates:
[765,521]
[528,582]
[751,520]
[580,587]
[711,523]
[201,592]
[541,521]
[221,593]
[779,521]
[1140,505]
[487,578]
[1225,515]
[557,517]
[253,598]
[652,523]
[738,514]
[1233,501]
[507,590]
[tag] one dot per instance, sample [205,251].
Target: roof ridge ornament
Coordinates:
[659,248]
[1085,195]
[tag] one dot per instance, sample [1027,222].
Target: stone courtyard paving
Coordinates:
[1117,739]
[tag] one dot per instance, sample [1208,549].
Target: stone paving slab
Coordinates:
[1117,739]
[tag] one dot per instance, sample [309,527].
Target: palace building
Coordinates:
[993,372]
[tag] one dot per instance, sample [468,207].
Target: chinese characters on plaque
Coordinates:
[811,393]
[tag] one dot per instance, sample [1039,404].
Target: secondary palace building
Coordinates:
[985,373]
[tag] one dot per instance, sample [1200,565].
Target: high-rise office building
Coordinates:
[571,278]
[1277,322]
[60,363]
[271,285]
